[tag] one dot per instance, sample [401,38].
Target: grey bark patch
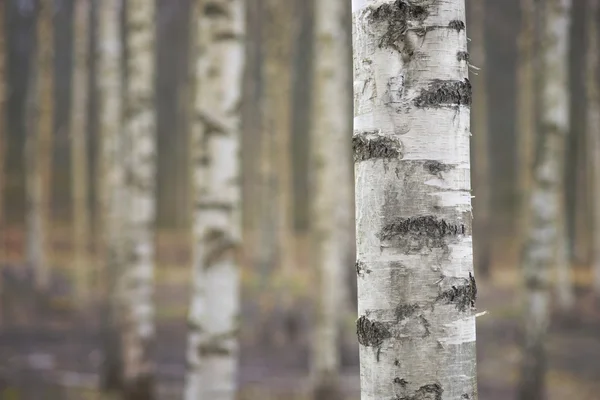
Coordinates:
[463,296]
[436,167]
[361,269]
[414,234]
[432,391]
[371,333]
[405,311]
[368,145]
[215,9]
[456,25]
[213,349]
[445,93]
[463,56]
[140,388]
[218,246]
[397,16]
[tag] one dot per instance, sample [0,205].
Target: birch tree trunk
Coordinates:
[416,289]
[557,38]
[213,347]
[112,202]
[140,135]
[545,202]
[525,110]
[331,172]
[38,147]
[79,159]
[593,131]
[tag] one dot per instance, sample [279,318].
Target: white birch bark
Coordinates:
[213,349]
[416,290]
[481,174]
[331,172]
[79,159]
[140,135]
[593,131]
[38,147]
[546,197]
[111,176]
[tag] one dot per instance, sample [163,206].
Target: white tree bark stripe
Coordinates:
[413,206]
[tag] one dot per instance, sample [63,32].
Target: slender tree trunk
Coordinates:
[331,168]
[79,159]
[277,39]
[416,289]
[545,202]
[525,110]
[140,135]
[38,147]
[213,347]
[593,131]
[3,146]
[482,154]
[111,176]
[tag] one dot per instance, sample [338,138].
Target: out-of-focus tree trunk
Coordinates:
[140,135]
[79,149]
[416,289]
[593,131]
[112,208]
[38,147]
[276,131]
[525,111]
[545,204]
[331,173]
[3,142]
[213,348]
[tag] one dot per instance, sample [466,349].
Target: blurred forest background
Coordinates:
[51,342]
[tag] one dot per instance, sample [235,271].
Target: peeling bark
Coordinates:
[416,287]
[218,54]
[546,205]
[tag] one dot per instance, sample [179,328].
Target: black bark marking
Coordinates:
[214,9]
[400,381]
[432,391]
[466,396]
[214,205]
[414,234]
[361,269]
[457,25]
[397,363]
[405,311]
[397,16]
[213,349]
[426,325]
[445,93]
[463,56]
[371,333]
[367,145]
[463,296]
[436,167]
[218,245]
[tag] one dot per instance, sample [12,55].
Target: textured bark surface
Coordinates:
[546,202]
[525,110]
[111,177]
[213,321]
[593,131]
[481,173]
[79,149]
[38,147]
[331,168]
[416,290]
[140,136]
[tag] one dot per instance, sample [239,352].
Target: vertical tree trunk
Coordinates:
[213,347]
[111,176]
[331,172]
[481,174]
[38,147]
[79,159]
[3,144]
[545,202]
[277,39]
[140,136]
[525,111]
[593,131]
[416,289]
[557,38]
